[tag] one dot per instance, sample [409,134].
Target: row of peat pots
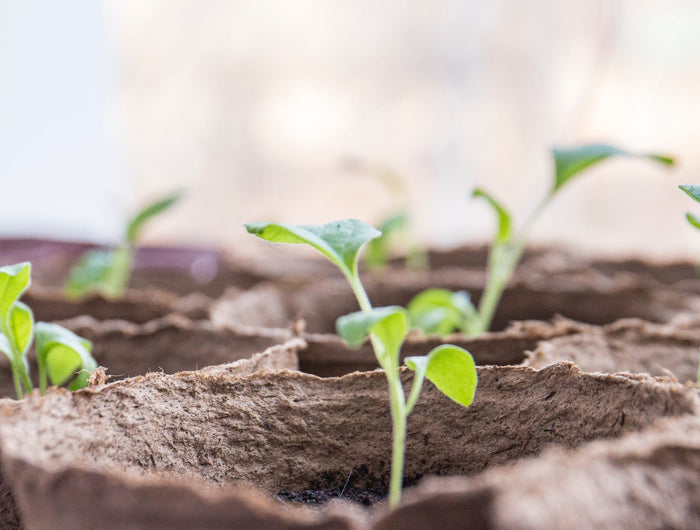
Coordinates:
[229,402]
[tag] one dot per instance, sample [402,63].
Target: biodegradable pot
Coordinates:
[629,345]
[279,357]
[327,355]
[186,450]
[589,298]
[170,344]
[50,304]
[645,480]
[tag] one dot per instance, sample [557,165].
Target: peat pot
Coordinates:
[226,448]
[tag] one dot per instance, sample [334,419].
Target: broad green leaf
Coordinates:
[378,249]
[388,324]
[139,220]
[693,191]
[339,241]
[570,162]
[441,311]
[505,229]
[14,280]
[102,271]
[20,323]
[61,353]
[451,369]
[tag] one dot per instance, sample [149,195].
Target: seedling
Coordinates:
[396,227]
[506,249]
[62,356]
[450,368]
[108,271]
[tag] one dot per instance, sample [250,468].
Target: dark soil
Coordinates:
[363,497]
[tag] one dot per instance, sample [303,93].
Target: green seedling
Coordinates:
[507,248]
[396,228]
[108,271]
[62,356]
[450,368]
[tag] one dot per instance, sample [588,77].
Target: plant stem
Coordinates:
[18,383]
[398,417]
[503,259]
[397,401]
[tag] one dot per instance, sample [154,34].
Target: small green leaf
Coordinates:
[378,249]
[569,162]
[693,220]
[505,229]
[20,323]
[14,280]
[61,353]
[155,208]
[451,369]
[388,324]
[440,311]
[339,241]
[693,191]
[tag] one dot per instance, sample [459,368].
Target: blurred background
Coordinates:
[288,111]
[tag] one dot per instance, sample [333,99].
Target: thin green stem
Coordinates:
[43,378]
[397,401]
[503,259]
[18,383]
[398,417]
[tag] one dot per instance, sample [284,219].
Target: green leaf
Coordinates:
[439,311]
[20,324]
[61,353]
[693,220]
[155,208]
[570,162]
[693,191]
[339,241]
[102,271]
[14,280]
[505,229]
[378,249]
[388,324]
[451,369]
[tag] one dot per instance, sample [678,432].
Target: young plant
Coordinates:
[396,227]
[450,368]
[62,356]
[507,248]
[108,271]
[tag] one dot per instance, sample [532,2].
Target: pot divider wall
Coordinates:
[170,344]
[50,304]
[629,345]
[589,298]
[327,355]
[289,431]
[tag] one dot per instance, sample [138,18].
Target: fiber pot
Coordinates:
[590,298]
[179,270]
[628,345]
[169,344]
[190,449]
[645,480]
